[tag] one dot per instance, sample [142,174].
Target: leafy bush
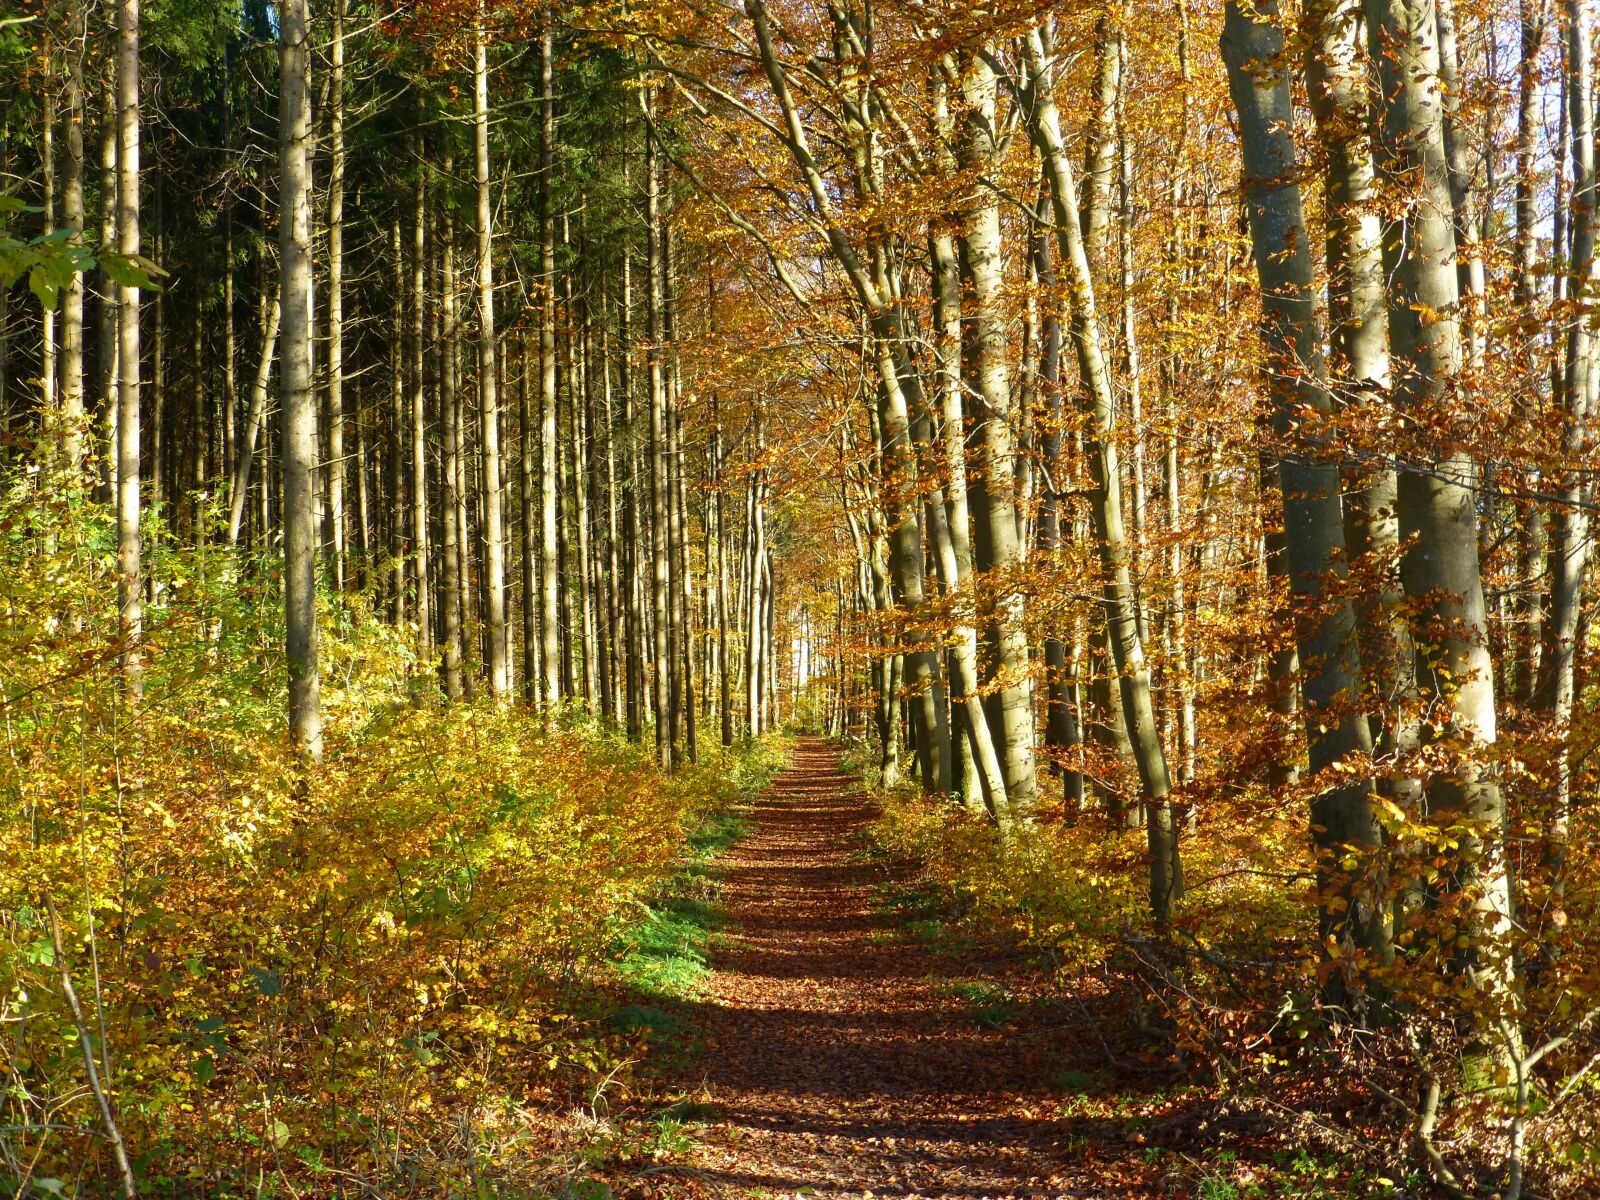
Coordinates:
[374,970]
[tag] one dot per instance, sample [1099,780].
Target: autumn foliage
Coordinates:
[381,970]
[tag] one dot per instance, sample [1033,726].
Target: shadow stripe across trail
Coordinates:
[836,1061]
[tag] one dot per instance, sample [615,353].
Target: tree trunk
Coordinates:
[659,565]
[1571,542]
[108,335]
[577,401]
[724,691]
[336,469]
[420,551]
[1353,909]
[255,421]
[494,566]
[1062,732]
[1105,501]
[1359,373]
[130,580]
[550,641]
[47,204]
[452,579]
[949,525]
[1436,500]
[996,542]
[72,426]
[298,395]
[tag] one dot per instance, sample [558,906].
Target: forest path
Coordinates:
[839,1062]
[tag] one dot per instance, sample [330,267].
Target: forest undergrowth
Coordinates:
[419,969]
[1221,1057]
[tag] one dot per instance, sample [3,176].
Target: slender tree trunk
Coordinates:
[336,470]
[451,581]
[365,539]
[230,348]
[1572,541]
[396,510]
[724,698]
[130,580]
[949,524]
[549,482]
[616,607]
[72,425]
[1105,502]
[47,204]
[678,510]
[630,507]
[255,421]
[685,601]
[596,579]
[493,518]
[420,549]
[299,401]
[660,566]
[584,631]
[108,367]
[1359,374]
[1061,727]
[1464,198]
[756,549]
[528,460]
[1177,621]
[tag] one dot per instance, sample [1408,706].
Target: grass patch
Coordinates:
[669,948]
[665,955]
[988,1003]
[929,914]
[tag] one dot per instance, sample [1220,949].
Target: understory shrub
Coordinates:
[383,973]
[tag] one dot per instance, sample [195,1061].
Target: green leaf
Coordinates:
[125,271]
[280,1133]
[268,982]
[50,1186]
[42,286]
[205,1069]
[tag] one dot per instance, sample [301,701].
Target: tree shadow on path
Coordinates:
[836,1061]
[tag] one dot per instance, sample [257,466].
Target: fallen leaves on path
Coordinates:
[838,1062]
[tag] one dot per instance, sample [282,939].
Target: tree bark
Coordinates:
[1353,909]
[298,395]
[493,509]
[996,543]
[108,367]
[130,575]
[1571,544]
[72,424]
[420,382]
[336,469]
[451,573]
[1436,498]
[550,640]
[660,566]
